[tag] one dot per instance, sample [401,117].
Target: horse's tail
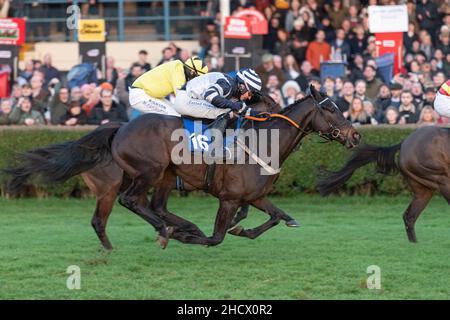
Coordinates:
[384,157]
[58,162]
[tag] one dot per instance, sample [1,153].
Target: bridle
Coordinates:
[333,133]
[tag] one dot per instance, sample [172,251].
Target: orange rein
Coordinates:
[273,115]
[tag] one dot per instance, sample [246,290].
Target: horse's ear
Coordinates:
[316,94]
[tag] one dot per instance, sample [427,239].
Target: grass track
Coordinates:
[324,259]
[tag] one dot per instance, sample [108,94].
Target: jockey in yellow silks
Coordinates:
[442,100]
[147,92]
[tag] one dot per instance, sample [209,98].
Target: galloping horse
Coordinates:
[146,164]
[424,161]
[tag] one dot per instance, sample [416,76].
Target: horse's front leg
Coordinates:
[276,215]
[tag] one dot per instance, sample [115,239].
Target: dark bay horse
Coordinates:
[424,161]
[146,164]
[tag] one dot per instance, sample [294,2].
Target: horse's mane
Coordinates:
[289,107]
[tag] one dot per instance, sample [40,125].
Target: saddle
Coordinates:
[200,140]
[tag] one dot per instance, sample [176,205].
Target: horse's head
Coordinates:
[330,123]
[264,103]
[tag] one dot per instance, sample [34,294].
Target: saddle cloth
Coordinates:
[200,136]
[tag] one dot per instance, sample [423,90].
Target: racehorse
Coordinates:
[106,181]
[147,163]
[424,161]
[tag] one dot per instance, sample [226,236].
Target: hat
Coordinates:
[290,84]
[267,57]
[395,86]
[107,86]
[282,4]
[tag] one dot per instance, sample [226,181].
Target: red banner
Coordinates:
[237,28]
[257,20]
[12,31]
[391,42]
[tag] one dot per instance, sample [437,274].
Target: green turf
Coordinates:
[326,258]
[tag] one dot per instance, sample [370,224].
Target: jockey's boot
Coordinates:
[220,124]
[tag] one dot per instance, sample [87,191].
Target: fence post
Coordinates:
[121,21]
[166,20]
[75,31]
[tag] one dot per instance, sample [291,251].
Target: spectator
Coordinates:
[391,115]
[107,110]
[407,109]
[410,36]
[291,69]
[430,94]
[328,87]
[337,13]
[396,91]
[358,43]
[48,69]
[5,111]
[267,68]
[348,91]
[74,116]
[207,34]
[37,105]
[59,104]
[27,73]
[356,113]
[135,72]
[272,83]
[427,16]
[290,90]
[427,116]
[75,94]
[373,84]
[167,55]
[143,61]
[360,89]
[383,99]
[111,71]
[292,15]
[276,96]
[24,115]
[374,113]
[417,92]
[357,68]
[305,76]
[90,98]
[318,51]
[339,47]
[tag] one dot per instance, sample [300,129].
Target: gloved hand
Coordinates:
[239,107]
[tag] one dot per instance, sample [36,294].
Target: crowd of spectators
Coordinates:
[302,35]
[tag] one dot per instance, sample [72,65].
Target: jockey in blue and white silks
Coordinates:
[213,94]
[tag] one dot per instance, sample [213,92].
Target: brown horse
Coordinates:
[146,164]
[106,182]
[424,161]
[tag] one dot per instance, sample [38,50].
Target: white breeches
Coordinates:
[442,105]
[142,102]
[196,108]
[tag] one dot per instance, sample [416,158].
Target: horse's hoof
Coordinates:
[292,223]
[236,230]
[169,231]
[163,242]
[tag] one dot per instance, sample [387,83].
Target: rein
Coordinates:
[269,116]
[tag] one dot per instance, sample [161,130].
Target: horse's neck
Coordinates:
[291,136]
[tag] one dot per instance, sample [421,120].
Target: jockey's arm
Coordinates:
[218,93]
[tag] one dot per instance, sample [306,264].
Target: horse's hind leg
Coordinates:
[421,197]
[132,200]
[104,182]
[275,216]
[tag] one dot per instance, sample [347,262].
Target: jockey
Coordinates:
[215,94]
[442,100]
[147,92]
